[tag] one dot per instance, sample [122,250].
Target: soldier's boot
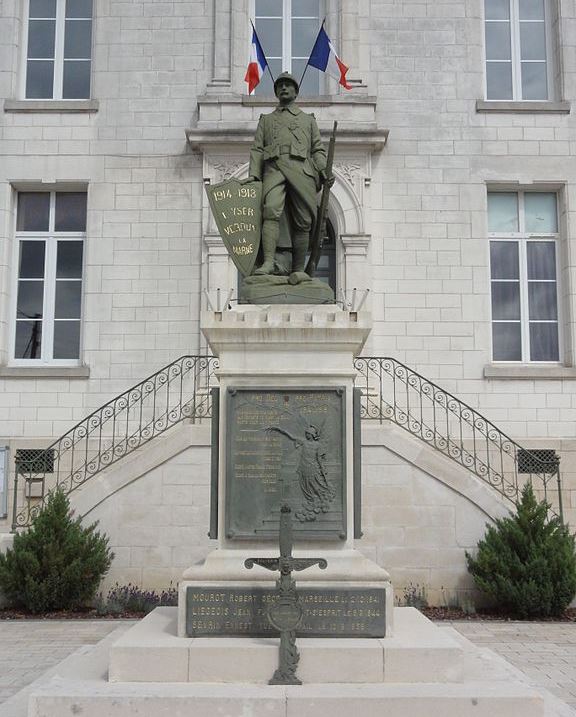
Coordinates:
[270,232]
[299,249]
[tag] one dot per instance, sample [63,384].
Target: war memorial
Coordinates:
[285,617]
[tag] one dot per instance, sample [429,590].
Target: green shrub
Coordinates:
[526,563]
[57,564]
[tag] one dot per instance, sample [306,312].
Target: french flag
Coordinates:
[257,64]
[324,57]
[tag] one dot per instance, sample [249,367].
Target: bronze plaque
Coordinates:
[286,446]
[326,612]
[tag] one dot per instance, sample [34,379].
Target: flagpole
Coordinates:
[313,46]
[267,63]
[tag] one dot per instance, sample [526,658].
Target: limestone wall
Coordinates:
[413,226]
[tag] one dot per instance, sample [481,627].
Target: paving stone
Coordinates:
[546,652]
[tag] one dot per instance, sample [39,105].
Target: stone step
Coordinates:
[206,700]
[419,651]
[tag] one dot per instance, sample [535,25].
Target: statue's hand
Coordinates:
[329,180]
[249,179]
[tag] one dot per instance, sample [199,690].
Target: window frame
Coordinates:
[59,37]
[287,57]
[515,54]
[4,454]
[51,238]
[522,238]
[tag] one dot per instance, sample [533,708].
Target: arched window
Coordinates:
[287,30]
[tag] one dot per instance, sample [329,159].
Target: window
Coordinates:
[50,231]
[287,30]
[59,49]
[523,229]
[518,52]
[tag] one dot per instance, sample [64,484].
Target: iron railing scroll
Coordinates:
[179,391]
[391,391]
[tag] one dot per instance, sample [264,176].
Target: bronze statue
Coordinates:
[272,214]
[288,157]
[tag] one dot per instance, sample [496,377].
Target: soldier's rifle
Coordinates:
[320,226]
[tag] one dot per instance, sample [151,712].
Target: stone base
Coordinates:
[151,652]
[346,569]
[423,670]
[280,290]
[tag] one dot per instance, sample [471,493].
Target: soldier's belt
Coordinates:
[284,149]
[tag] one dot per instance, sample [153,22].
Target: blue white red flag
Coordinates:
[257,64]
[324,57]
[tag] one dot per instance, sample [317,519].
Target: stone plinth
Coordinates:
[420,652]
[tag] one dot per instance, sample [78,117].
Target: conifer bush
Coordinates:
[527,562]
[57,564]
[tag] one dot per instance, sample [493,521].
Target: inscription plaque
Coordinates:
[327,612]
[286,446]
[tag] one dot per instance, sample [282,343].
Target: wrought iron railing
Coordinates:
[179,391]
[393,392]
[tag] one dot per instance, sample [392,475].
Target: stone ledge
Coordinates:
[527,372]
[44,371]
[221,134]
[502,106]
[61,106]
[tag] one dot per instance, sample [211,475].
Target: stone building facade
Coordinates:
[453,206]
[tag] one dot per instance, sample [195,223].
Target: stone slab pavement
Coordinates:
[546,652]
[30,647]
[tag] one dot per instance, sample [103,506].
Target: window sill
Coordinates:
[60,106]
[44,371]
[529,372]
[522,107]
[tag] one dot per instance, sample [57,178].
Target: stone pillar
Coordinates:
[299,348]
[221,273]
[356,267]
[221,46]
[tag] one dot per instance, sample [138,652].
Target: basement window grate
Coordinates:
[538,460]
[35,460]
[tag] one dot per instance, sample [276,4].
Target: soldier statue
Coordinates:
[288,157]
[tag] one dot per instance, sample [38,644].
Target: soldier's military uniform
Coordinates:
[289,158]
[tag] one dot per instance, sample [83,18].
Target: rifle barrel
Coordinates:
[319,228]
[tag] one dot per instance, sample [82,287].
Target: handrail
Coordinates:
[393,391]
[178,391]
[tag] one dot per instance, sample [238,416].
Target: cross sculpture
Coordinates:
[286,614]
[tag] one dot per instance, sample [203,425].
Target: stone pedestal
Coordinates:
[284,348]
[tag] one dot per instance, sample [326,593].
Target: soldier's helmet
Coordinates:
[286,76]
